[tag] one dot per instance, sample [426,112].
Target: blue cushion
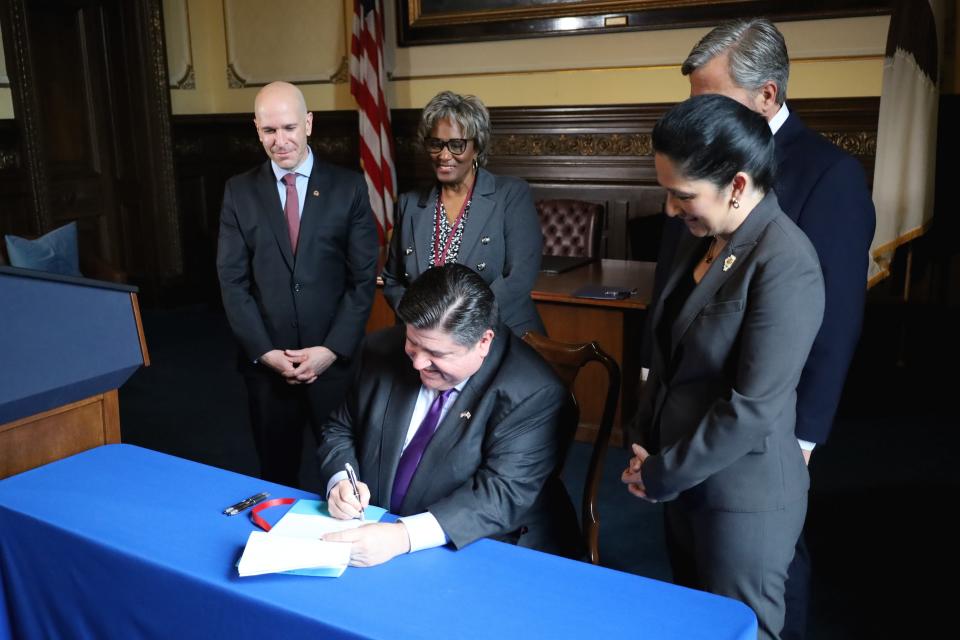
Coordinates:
[55,252]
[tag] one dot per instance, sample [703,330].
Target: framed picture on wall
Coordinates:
[422,22]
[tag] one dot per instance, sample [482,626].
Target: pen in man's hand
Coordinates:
[352,475]
[245,504]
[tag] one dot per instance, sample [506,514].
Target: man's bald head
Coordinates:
[283,124]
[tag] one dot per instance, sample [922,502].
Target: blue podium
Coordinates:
[66,345]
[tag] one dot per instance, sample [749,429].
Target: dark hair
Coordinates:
[712,137]
[452,298]
[756,51]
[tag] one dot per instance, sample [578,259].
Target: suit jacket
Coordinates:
[324,295]
[488,470]
[502,241]
[721,403]
[824,191]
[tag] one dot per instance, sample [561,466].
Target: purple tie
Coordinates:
[414,451]
[291,210]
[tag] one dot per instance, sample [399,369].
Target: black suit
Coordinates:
[273,300]
[488,470]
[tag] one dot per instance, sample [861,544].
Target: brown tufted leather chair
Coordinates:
[570,227]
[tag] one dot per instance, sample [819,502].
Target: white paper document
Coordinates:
[301,525]
[268,553]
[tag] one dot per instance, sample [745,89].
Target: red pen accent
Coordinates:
[255,512]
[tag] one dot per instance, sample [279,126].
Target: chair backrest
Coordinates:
[644,235]
[570,227]
[567,360]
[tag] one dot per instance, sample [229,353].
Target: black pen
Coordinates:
[245,504]
[352,476]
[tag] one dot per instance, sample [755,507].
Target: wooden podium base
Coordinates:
[44,437]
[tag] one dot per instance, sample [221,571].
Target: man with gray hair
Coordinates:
[453,424]
[824,191]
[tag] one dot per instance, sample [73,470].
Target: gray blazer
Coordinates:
[724,414]
[489,468]
[502,242]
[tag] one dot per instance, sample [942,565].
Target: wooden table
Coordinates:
[615,324]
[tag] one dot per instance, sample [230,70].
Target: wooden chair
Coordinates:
[567,360]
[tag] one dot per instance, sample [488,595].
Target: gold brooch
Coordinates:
[729,262]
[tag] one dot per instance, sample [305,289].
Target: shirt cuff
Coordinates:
[805,445]
[334,479]
[424,531]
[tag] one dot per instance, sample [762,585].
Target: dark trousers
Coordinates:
[280,411]
[798,594]
[741,555]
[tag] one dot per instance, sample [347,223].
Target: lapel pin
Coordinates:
[465,414]
[729,262]
[316,192]
[485,240]
[481,266]
[408,251]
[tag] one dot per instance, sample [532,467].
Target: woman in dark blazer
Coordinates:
[732,330]
[468,216]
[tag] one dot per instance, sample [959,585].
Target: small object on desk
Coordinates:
[352,475]
[601,292]
[245,504]
[559,264]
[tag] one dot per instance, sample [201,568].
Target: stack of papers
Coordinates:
[293,545]
[266,553]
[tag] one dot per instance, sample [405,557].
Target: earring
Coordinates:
[735,203]
[476,165]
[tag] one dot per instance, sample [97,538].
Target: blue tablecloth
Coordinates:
[123,542]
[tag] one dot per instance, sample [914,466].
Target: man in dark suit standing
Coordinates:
[824,191]
[452,423]
[297,265]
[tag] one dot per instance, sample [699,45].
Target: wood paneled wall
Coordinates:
[15,214]
[601,154]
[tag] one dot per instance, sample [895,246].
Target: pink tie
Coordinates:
[292,210]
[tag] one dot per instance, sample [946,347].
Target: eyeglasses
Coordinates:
[455,145]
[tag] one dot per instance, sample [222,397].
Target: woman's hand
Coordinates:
[632,476]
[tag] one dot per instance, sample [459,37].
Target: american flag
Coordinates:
[367,80]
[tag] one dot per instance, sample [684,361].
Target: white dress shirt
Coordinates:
[423,529]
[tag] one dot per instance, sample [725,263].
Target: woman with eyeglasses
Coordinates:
[468,215]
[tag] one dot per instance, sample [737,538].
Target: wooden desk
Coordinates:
[615,324]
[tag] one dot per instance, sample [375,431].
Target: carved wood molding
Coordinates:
[25,105]
[165,198]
